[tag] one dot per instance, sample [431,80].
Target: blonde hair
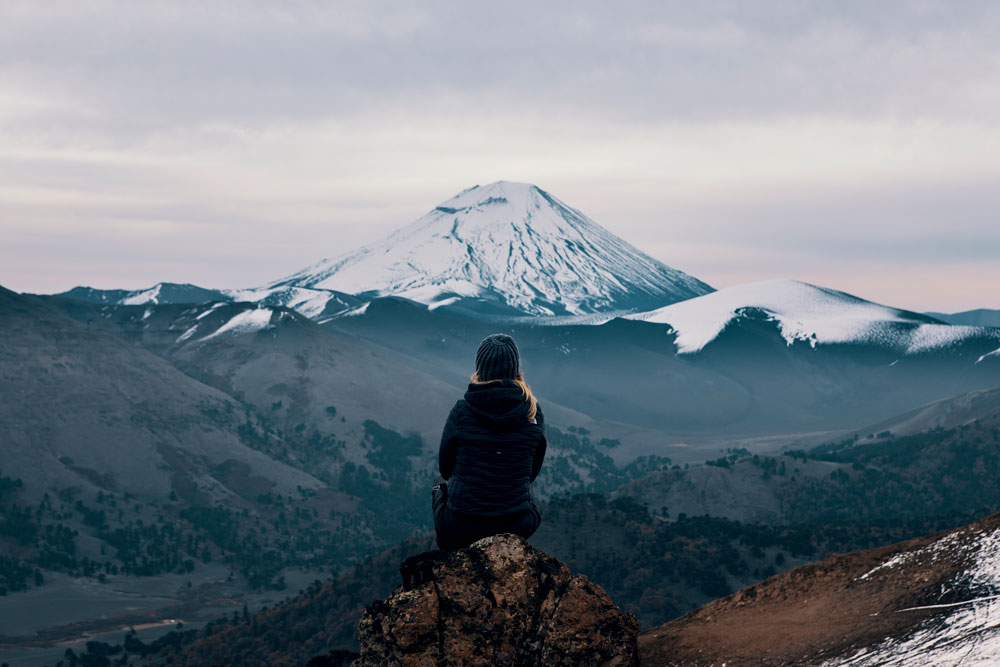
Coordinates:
[525,390]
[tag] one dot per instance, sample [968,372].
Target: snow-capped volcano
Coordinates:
[808,313]
[510,247]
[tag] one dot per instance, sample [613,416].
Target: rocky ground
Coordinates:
[499,602]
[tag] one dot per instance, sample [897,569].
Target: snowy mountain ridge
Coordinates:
[808,313]
[158,293]
[512,246]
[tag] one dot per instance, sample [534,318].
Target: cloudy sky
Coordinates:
[855,145]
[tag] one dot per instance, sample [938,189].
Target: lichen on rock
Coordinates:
[497,602]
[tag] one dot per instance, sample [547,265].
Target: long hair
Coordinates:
[525,390]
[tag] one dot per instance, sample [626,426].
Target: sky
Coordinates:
[853,145]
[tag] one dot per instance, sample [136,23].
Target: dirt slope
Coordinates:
[831,609]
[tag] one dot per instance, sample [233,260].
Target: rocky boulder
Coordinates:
[497,602]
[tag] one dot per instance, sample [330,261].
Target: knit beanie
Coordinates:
[497,358]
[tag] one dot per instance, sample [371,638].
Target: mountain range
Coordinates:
[508,252]
[292,427]
[608,332]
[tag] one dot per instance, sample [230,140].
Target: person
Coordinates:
[492,449]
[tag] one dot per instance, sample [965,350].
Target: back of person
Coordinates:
[492,448]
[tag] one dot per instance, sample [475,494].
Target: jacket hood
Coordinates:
[499,404]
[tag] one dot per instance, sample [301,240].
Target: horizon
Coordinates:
[853,147]
[301,265]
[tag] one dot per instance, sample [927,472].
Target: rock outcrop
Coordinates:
[497,602]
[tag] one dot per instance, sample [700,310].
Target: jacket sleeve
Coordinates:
[449,446]
[536,464]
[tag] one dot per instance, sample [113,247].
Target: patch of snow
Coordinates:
[354,312]
[437,293]
[994,353]
[187,334]
[308,302]
[247,321]
[931,336]
[898,559]
[967,634]
[947,544]
[151,295]
[209,311]
[443,302]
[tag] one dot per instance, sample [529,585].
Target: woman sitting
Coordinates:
[491,451]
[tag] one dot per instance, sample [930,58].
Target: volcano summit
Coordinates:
[504,248]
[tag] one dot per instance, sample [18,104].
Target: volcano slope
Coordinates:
[927,601]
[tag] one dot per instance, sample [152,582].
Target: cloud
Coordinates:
[167,64]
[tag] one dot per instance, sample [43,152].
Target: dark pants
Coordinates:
[456,530]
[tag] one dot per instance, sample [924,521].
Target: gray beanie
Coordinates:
[497,358]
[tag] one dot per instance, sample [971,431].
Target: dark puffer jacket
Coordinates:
[490,453]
